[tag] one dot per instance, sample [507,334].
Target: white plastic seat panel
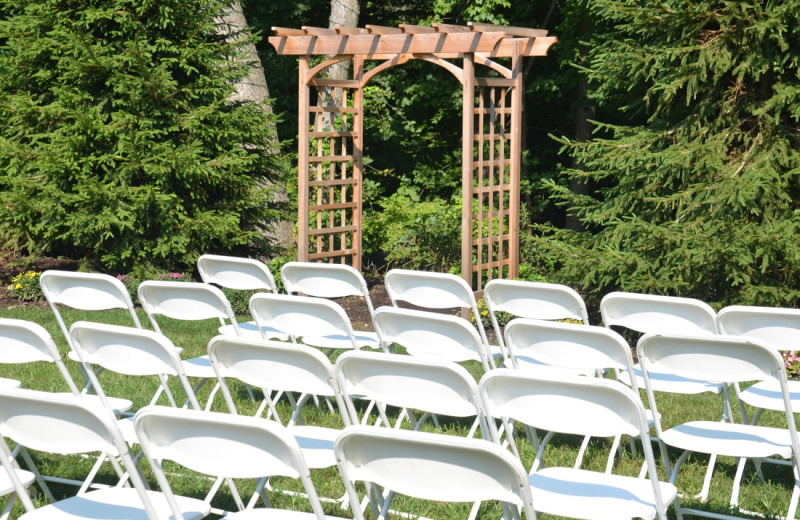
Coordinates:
[250,330]
[363,339]
[316,443]
[271,513]
[672,383]
[590,495]
[767,395]
[9,383]
[200,367]
[730,439]
[117,504]
[7,487]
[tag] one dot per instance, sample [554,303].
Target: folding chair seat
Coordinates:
[282,368]
[437,291]
[240,274]
[65,425]
[329,281]
[777,327]
[430,466]
[656,314]
[305,317]
[222,445]
[432,387]
[85,292]
[188,301]
[431,335]
[582,406]
[537,300]
[721,358]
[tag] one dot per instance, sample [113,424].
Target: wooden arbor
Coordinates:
[330,135]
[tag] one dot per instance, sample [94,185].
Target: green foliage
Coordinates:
[132,281]
[410,232]
[119,140]
[25,286]
[696,182]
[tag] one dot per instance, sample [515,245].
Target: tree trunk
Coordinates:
[254,88]
[345,14]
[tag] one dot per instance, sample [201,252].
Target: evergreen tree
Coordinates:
[119,143]
[694,163]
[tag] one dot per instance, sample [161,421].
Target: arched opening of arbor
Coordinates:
[331,123]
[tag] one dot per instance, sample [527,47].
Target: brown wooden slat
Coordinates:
[332,109]
[319,31]
[333,133]
[330,158]
[283,31]
[387,44]
[380,29]
[416,29]
[325,82]
[524,32]
[333,206]
[332,254]
[341,29]
[331,230]
[450,28]
[332,182]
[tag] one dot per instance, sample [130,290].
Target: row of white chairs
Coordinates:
[426,465]
[412,383]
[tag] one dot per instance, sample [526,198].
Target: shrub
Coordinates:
[131,281]
[25,287]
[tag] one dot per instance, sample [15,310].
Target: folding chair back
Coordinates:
[325,281]
[243,274]
[303,316]
[657,314]
[431,335]
[430,466]
[84,291]
[431,386]
[578,348]
[272,364]
[583,406]
[543,301]
[223,445]
[184,301]
[779,327]
[67,424]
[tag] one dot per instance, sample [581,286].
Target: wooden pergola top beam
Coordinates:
[441,40]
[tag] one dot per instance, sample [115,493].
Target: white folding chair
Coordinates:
[583,406]
[656,314]
[284,368]
[188,301]
[430,466]
[67,424]
[431,335]
[721,358]
[223,445]
[240,274]
[329,281]
[432,387]
[777,327]
[538,300]
[24,341]
[437,291]
[314,321]
[87,292]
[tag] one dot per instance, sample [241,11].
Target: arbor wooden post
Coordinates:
[330,136]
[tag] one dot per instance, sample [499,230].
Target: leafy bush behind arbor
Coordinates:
[118,143]
[694,166]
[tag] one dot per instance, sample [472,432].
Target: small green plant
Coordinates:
[483,310]
[25,286]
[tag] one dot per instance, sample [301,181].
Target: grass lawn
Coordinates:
[769,498]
